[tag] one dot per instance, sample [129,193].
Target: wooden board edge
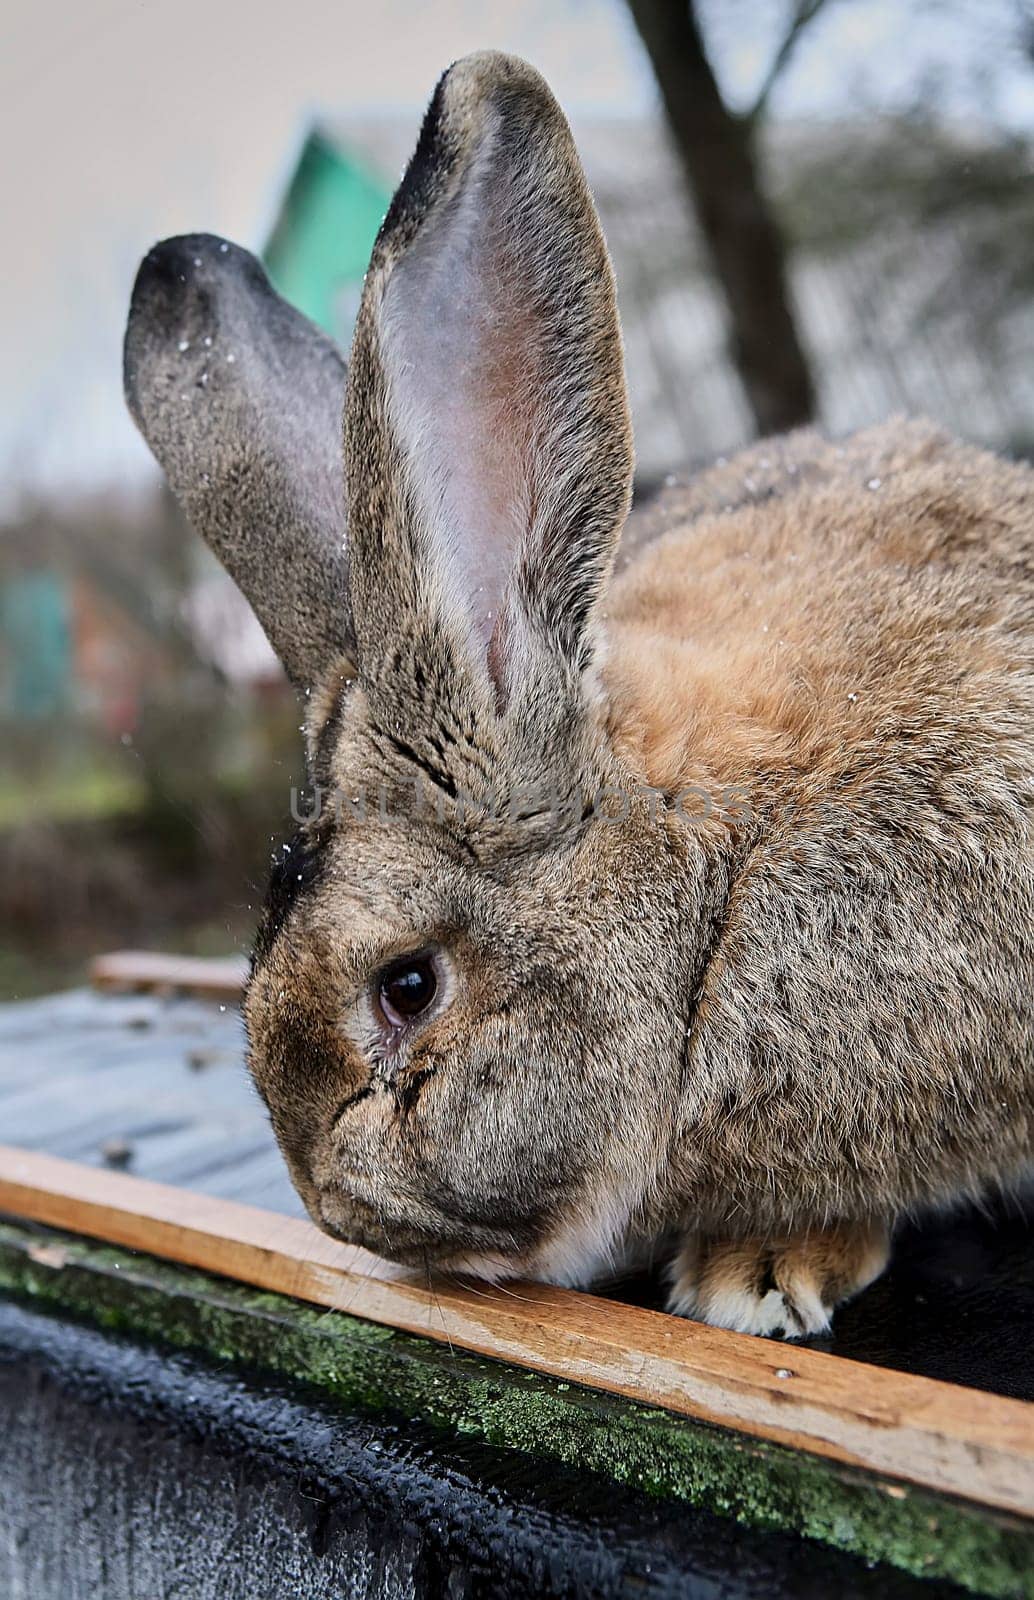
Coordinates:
[151,972]
[943,1437]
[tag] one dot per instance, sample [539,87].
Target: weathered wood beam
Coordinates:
[941,1436]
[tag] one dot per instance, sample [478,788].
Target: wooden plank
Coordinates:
[946,1438]
[145,971]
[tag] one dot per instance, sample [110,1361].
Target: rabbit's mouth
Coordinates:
[430,1239]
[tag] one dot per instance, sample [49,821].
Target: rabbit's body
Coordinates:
[845,662]
[688,906]
[827,651]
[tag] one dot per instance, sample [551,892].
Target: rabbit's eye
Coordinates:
[407,988]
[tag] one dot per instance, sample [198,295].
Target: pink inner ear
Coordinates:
[462,347]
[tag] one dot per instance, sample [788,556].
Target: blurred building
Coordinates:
[914,292]
[37,662]
[905,243]
[100,610]
[320,245]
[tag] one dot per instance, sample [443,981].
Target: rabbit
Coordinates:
[695,913]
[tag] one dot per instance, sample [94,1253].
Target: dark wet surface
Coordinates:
[183,1481]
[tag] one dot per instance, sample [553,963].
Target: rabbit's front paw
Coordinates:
[785,1287]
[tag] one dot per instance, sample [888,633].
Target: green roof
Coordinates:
[320,246]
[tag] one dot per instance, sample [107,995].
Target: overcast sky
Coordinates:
[127,120]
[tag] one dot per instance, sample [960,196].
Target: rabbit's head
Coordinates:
[463,1010]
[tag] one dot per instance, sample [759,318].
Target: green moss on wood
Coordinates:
[377,1370]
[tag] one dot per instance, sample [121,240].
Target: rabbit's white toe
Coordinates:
[785,1288]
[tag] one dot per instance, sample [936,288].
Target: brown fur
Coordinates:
[776,990]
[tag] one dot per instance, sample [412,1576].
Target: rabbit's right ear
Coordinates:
[240,398]
[488,450]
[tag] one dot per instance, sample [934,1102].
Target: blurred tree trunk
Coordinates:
[716,147]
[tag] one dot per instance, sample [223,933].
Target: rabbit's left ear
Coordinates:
[488,450]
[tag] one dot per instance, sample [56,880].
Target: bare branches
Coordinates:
[737,225]
[804,12]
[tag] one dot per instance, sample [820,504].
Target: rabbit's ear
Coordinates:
[241,398]
[487,436]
